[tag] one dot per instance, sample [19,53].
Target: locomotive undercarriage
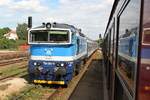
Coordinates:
[52,72]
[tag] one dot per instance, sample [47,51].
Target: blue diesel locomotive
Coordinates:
[57,52]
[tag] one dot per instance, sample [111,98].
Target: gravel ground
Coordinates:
[11,86]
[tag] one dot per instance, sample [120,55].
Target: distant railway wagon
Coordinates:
[126,49]
[57,52]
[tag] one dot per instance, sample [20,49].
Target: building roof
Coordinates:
[11,35]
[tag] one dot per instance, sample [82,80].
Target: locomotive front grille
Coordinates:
[60,71]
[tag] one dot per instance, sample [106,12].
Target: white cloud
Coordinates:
[89,15]
[23,5]
[29,5]
[110,1]
[92,17]
[4,2]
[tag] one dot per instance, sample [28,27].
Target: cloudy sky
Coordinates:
[89,15]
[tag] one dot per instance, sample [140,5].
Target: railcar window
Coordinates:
[146,37]
[112,42]
[58,36]
[128,43]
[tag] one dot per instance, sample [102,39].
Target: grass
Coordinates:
[20,42]
[11,71]
[31,92]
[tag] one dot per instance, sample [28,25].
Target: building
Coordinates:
[11,35]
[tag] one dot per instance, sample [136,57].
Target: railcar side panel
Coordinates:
[130,78]
[128,38]
[144,71]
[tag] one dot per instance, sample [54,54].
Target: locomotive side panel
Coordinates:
[81,47]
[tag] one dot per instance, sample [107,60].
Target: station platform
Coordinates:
[92,86]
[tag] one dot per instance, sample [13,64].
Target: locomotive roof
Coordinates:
[58,25]
[64,26]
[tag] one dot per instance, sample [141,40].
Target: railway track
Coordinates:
[7,77]
[15,70]
[64,94]
[13,75]
[12,61]
[24,93]
[57,93]
[12,55]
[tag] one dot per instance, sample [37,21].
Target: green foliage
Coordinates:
[7,29]
[13,44]
[4,31]
[7,44]
[20,42]
[100,41]
[22,31]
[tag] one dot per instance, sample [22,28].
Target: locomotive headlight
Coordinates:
[35,63]
[62,64]
[48,25]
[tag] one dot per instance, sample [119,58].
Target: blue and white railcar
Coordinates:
[56,52]
[91,46]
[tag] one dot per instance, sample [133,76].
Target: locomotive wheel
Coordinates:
[30,77]
[84,61]
[77,69]
[76,72]
[64,86]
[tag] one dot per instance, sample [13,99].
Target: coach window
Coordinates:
[78,46]
[108,44]
[146,36]
[112,41]
[128,43]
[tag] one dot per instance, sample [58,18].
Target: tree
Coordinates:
[21,31]
[4,31]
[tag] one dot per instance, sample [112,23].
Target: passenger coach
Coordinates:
[126,50]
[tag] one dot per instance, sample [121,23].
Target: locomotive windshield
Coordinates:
[52,36]
[39,36]
[58,36]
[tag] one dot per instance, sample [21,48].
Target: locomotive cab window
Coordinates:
[58,36]
[52,36]
[39,36]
